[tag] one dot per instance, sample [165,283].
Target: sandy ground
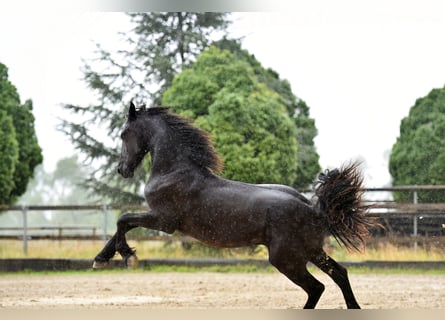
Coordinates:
[212,290]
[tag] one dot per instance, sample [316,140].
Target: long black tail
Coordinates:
[339,196]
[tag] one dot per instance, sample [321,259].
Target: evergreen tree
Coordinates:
[8,157]
[159,46]
[418,156]
[24,137]
[307,165]
[250,126]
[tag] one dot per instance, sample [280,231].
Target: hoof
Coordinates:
[132,262]
[100,265]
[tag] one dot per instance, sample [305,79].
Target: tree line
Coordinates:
[262,130]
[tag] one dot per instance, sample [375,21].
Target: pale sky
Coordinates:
[359,68]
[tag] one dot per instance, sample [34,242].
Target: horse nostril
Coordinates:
[119,170]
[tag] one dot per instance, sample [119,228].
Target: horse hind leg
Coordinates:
[301,277]
[339,274]
[296,271]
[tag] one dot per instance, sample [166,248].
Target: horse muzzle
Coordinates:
[125,172]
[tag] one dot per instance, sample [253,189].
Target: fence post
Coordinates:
[415,222]
[25,230]
[105,235]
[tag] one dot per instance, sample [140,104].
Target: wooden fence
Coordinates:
[383,209]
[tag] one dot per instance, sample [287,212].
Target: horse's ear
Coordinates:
[132,112]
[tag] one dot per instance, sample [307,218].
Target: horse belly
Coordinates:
[245,220]
[229,240]
[232,215]
[227,229]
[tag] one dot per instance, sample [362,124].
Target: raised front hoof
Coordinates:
[98,265]
[132,262]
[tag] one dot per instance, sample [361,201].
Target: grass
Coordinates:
[69,249]
[224,269]
[386,251]
[87,249]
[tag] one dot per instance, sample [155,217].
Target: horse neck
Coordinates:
[166,156]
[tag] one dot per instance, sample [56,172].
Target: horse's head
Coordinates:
[134,143]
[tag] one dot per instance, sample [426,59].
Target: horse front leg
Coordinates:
[102,259]
[104,256]
[118,242]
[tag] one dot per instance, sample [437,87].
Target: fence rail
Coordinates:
[376,210]
[380,208]
[61,235]
[73,207]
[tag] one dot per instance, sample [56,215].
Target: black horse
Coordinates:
[184,194]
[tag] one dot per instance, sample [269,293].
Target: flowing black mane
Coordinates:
[196,143]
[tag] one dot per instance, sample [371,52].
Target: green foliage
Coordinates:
[307,164]
[30,153]
[250,126]
[8,157]
[418,156]
[159,46]
[21,139]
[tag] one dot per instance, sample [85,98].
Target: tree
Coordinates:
[251,128]
[159,46]
[307,166]
[23,133]
[169,42]
[418,156]
[8,157]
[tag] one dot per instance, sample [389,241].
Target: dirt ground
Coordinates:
[212,290]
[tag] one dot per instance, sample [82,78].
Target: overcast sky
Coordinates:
[359,68]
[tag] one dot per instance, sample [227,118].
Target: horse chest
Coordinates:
[165,195]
